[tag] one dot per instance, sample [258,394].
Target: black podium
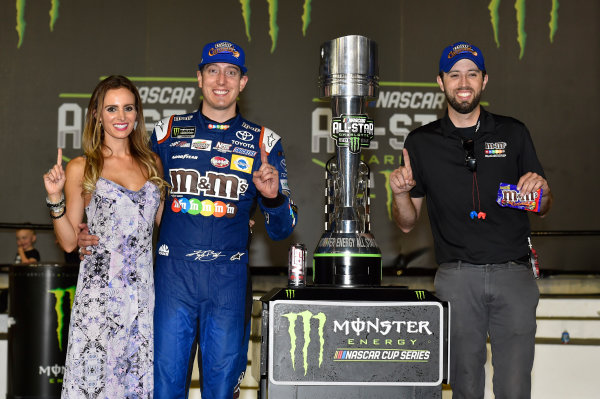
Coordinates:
[379,342]
[40,301]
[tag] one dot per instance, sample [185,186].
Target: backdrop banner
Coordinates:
[541,58]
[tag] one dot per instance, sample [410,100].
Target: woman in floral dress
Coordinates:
[118,185]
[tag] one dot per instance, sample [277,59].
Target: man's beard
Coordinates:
[463,107]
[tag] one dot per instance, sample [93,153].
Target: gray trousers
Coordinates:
[495,299]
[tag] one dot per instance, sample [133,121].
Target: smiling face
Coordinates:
[118,113]
[221,83]
[463,86]
[25,239]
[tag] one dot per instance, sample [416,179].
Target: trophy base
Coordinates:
[347,270]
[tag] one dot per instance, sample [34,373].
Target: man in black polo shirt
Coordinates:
[457,163]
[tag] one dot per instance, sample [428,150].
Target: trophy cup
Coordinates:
[347,254]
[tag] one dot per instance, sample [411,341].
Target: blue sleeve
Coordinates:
[160,133]
[281,214]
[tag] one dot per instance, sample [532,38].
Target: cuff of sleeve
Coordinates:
[274,202]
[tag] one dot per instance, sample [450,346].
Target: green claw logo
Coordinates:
[54,5]
[273,7]
[420,295]
[273,27]
[290,294]
[521,34]
[306,316]
[59,294]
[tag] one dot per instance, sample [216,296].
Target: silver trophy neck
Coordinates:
[349,67]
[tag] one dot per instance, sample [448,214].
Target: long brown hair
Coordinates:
[93,137]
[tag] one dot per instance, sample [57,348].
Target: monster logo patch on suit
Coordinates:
[183,131]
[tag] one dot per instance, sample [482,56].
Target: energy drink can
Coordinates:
[297,266]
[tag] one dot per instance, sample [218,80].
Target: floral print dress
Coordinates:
[110,349]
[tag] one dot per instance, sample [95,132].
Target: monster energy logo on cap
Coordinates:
[353,131]
[306,317]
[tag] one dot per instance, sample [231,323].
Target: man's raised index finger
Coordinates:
[59,157]
[406,158]
[264,158]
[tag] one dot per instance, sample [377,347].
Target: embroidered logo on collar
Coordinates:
[213,126]
[495,150]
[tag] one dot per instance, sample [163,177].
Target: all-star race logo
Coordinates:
[353,131]
[399,108]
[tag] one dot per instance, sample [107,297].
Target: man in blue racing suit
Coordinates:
[219,166]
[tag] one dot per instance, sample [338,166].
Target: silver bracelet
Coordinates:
[58,204]
[61,213]
[57,209]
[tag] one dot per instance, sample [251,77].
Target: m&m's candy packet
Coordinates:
[509,196]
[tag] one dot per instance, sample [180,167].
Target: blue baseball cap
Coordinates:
[459,51]
[223,51]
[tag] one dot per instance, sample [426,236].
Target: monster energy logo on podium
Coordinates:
[353,131]
[306,317]
[324,342]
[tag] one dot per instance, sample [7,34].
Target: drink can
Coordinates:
[297,266]
[565,337]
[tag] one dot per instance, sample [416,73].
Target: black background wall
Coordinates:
[542,59]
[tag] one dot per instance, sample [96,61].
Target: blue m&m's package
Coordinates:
[509,196]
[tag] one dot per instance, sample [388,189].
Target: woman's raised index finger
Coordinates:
[59,157]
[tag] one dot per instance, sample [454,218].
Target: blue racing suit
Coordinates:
[201,266]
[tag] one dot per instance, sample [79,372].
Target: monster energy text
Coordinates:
[382,327]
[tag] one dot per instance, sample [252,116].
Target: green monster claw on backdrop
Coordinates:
[246,11]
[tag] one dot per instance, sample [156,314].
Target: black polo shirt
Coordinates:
[452,191]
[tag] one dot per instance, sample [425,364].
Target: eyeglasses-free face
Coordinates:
[470,160]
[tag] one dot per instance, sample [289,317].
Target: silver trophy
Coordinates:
[347,254]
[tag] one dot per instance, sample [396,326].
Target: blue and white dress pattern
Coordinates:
[110,349]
